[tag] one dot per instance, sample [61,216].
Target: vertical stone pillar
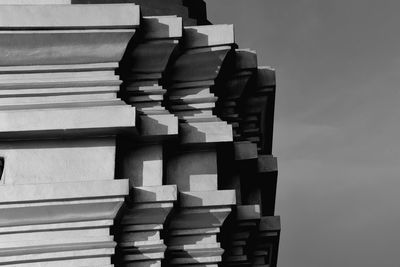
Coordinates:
[257,110]
[194,228]
[239,230]
[59,117]
[192,163]
[141,157]
[140,241]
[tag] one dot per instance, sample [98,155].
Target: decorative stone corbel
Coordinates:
[141,158]
[202,66]
[143,69]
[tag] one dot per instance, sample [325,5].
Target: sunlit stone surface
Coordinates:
[132,133]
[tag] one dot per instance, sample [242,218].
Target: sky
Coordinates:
[337,123]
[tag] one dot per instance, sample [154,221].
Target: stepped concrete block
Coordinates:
[48,223]
[130,140]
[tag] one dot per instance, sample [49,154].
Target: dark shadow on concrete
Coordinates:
[2,166]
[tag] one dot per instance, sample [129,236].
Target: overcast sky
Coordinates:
[337,132]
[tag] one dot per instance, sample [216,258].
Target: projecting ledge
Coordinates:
[267,163]
[205,132]
[36,204]
[60,122]
[69,16]
[245,150]
[158,125]
[270,224]
[208,198]
[44,192]
[165,193]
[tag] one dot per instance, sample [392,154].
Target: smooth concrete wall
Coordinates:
[193,170]
[53,161]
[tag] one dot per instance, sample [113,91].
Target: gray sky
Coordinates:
[337,123]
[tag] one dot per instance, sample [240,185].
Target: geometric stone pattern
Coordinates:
[133,133]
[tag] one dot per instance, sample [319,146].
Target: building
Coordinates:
[132,133]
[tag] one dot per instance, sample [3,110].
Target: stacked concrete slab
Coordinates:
[114,119]
[59,117]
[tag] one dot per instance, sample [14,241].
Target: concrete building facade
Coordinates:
[133,133]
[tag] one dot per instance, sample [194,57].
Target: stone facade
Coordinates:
[132,133]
